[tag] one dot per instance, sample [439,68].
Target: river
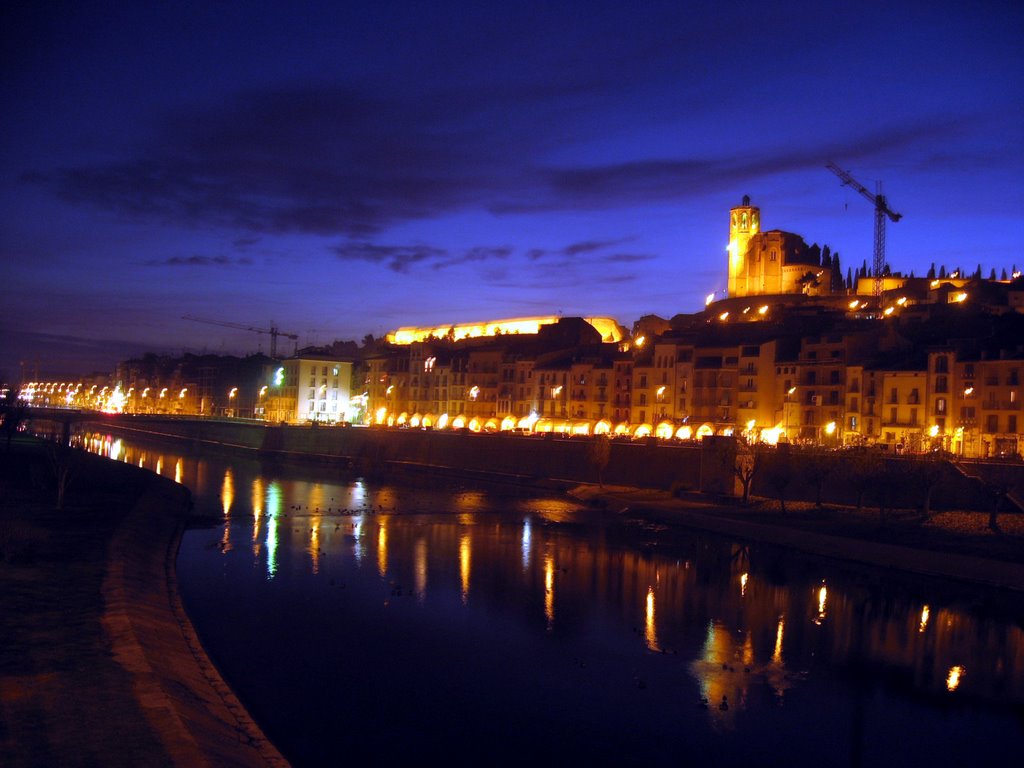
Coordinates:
[367,621]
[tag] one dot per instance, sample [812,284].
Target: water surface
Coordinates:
[429,621]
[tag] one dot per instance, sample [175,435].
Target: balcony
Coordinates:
[1000,405]
[900,423]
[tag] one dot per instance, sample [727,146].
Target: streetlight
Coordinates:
[968,391]
[789,408]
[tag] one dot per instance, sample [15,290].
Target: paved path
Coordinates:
[99,665]
[701,515]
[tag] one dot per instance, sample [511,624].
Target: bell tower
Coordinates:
[744,223]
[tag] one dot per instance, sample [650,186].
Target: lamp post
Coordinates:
[968,391]
[231,400]
[789,409]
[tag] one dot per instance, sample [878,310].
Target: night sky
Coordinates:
[339,169]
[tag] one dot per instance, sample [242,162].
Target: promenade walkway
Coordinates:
[952,545]
[98,663]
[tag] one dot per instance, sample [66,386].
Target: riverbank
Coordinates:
[951,544]
[99,664]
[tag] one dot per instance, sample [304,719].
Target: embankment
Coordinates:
[100,664]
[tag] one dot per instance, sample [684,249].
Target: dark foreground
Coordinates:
[100,666]
[98,663]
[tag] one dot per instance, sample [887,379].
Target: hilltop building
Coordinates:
[763,263]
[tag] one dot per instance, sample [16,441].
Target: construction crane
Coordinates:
[882,210]
[272,330]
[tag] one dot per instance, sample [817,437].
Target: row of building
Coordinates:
[911,364]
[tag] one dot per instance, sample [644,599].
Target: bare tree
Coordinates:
[64,464]
[861,466]
[818,465]
[599,453]
[15,411]
[927,473]
[778,470]
[746,464]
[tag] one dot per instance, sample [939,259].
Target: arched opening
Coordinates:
[459,422]
[508,423]
[644,430]
[704,430]
[603,427]
[664,430]
[528,422]
[685,432]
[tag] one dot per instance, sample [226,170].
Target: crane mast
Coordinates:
[273,330]
[882,211]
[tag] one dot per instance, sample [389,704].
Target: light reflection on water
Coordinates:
[532,619]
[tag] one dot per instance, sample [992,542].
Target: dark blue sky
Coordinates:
[348,168]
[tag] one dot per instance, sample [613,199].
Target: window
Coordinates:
[992,423]
[853,423]
[892,416]
[942,364]
[1011,425]
[940,405]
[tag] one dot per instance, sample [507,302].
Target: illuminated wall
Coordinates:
[609,329]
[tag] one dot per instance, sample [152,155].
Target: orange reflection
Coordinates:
[464,552]
[650,634]
[382,551]
[420,559]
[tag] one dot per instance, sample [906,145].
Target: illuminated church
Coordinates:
[772,262]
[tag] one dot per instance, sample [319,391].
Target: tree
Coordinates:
[778,471]
[746,465]
[14,411]
[64,463]
[942,272]
[818,465]
[927,472]
[992,274]
[931,272]
[599,454]
[861,466]
[1000,481]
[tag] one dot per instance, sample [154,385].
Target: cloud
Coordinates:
[627,258]
[198,261]
[337,161]
[477,254]
[400,258]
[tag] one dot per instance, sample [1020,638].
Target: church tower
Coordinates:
[744,223]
